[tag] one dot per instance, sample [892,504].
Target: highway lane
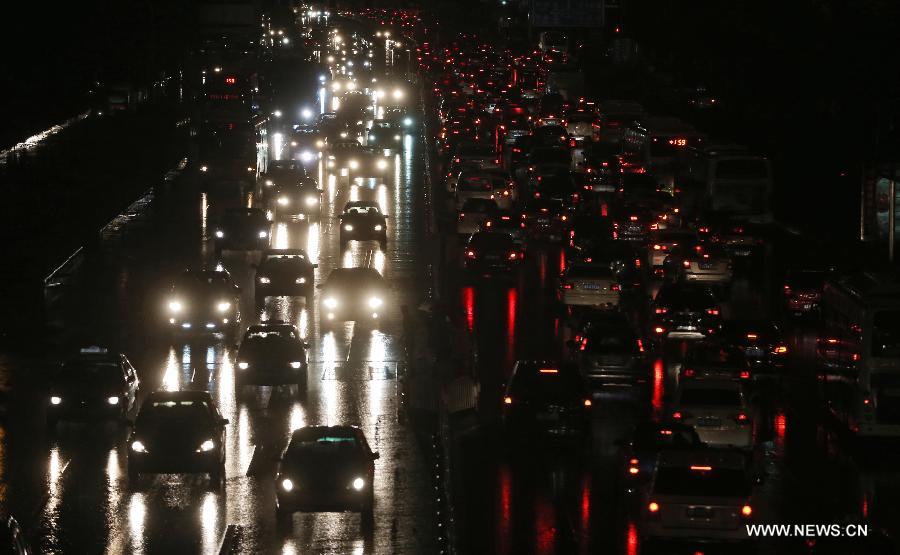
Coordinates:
[77,496]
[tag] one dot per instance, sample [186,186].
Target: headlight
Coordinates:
[263,234]
[55,400]
[206,446]
[379,227]
[204,168]
[396,137]
[220,234]
[264,279]
[398,94]
[175,306]
[348,227]
[269,182]
[359,484]
[382,164]
[354,164]
[223,306]
[277,113]
[306,156]
[375,302]
[300,280]
[287,484]
[113,400]
[296,365]
[283,201]
[407,122]
[243,365]
[330,302]
[311,201]
[138,447]
[320,144]
[373,137]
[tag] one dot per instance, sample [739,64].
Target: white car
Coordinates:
[590,285]
[702,495]
[478,184]
[717,409]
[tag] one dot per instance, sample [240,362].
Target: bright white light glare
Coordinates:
[348,227]
[330,302]
[113,400]
[243,365]
[358,484]
[374,302]
[283,201]
[223,306]
[207,445]
[263,234]
[354,164]
[277,113]
[322,78]
[407,121]
[138,447]
[55,400]
[287,485]
[220,234]
[307,156]
[311,201]
[398,94]
[379,227]
[175,306]
[382,164]
[306,113]
[296,365]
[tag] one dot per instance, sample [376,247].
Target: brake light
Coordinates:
[567,286]
[653,507]
[470,253]
[549,371]
[661,310]
[686,263]
[640,345]
[701,468]
[633,470]
[637,262]
[746,511]
[677,415]
[741,418]
[615,287]
[712,311]
[780,350]
[752,336]
[507,400]
[462,215]
[745,374]
[658,247]
[688,373]
[633,218]
[513,255]
[588,403]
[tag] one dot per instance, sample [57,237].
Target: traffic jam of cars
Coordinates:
[643,356]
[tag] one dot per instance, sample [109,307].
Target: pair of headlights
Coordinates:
[177,306]
[288,485]
[206,446]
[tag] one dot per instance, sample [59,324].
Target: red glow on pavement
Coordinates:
[631,540]
[504,530]
[562,261]
[512,299]
[545,526]
[468,295]
[659,375]
[585,512]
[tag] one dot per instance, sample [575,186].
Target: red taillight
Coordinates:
[513,255]
[640,345]
[746,511]
[633,218]
[752,336]
[567,286]
[657,247]
[677,415]
[712,311]
[653,507]
[661,310]
[470,253]
[686,263]
[688,373]
[780,350]
[637,262]
[745,374]
[741,418]
[588,403]
[615,287]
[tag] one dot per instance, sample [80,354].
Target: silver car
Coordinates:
[718,410]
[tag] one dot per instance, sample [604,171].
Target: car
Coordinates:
[242,229]
[204,300]
[385,135]
[606,169]
[548,399]
[353,294]
[473,213]
[588,230]
[177,432]
[557,186]
[492,253]
[717,409]
[306,144]
[13,539]
[612,356]
[803,291]
[548,159]
[762,344]
[684,311]
[362,220]
[94,384]
[741,240]
[714,360]
[705,263]
[341,153]
[550,133]
[704,494]
[662,242]
[486,185]
[583,126]
[633,222]
[370,164]
[619,256]
[545,219]
[647,441]
[507,222]
[484,155]
[326,468]
[590,285]
[299,202]
[272,353]
[285,272]
[279,173]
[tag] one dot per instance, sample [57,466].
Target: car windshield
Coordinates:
[475,184]
[701,480]
[806,280]
[685,298]
[198,280]
[491,241]
[710,397]
[612,341]
[161,413]
[886,334]
[90,373]
[550,156]
[746,168]
[353,279]
[589,272]
[546,384]
[714,355]
[479,205]
[323,447]
[363,210]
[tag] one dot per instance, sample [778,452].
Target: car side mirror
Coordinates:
[376,455]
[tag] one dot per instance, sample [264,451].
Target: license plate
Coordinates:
[687,328]
[807,306]
[709,421]
[706,266]
[548,416]
[591,286]
[753,352]
[492,257]
[543,221]
[700,512]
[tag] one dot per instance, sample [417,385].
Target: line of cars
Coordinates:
[322,468]
[643,276]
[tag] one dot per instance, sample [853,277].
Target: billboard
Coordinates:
[567,13]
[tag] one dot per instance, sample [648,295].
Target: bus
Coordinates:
[656,145]
[732,180]
[858,353]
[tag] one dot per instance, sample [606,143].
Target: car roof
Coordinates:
[361,204]
[181,395]
[360,272]
[725,385]
[311,432]
[285,252]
